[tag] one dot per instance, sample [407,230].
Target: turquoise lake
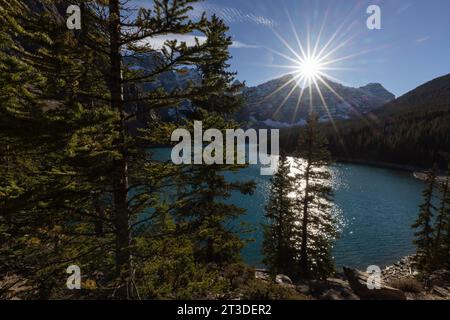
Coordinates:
[377,206]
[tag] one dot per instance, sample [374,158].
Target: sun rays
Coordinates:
[310,65]
[310,68]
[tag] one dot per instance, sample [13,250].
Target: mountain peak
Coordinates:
[376,89]
[373,85]
[278,101]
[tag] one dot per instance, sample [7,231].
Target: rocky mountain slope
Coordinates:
[271,106]
[265,105]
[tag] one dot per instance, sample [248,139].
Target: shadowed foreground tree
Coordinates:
[424,225]
[204,213]
[302,224]
[433,232]
[317,221]
[280,243]
[442,227]
[79,184]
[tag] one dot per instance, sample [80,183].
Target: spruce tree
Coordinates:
[54,126]
[206,216]
[279,245]
[317,222]
[446,246]
[424,236]
[127,33]
[440,249]
[78,181]
[441,242]
[204,212]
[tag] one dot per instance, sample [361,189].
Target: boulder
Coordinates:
[283,279]
[337,283]
[329,289]
[440,278]
[303,288]
[352,296]
[441,292]
[331,295]
[262,274]
[358,282]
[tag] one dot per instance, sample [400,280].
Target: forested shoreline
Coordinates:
[411,131]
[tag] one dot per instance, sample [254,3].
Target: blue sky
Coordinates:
[412,47]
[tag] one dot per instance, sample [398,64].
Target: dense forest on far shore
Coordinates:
[412,130]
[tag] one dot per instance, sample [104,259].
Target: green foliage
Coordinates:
[203,211]
[279,233]
[262,290]
[424,235]
[78,185]
[433,237]
[318,222]
[167,268]
[411,130]
[303,226]
[51,135]
[413,139]
[441,242]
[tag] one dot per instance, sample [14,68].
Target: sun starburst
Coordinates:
[311,65]
[310,68]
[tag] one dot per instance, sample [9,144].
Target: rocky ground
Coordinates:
[404,275]
[398,282]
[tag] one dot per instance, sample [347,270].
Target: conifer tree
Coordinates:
[203,191]
[317,222]
[441,246]
[440,238]
[52,167]
[446,246]
[204,213]
[127,33]
[424,236]
[279,245]
[89,181]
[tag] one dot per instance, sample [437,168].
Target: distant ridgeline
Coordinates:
[271,104]
[371,126]
[411,130]
[276,103]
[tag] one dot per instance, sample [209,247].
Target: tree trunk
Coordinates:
[304,246]
[448,230]
[448,239]
[120,174]
[100,213]
[441,214]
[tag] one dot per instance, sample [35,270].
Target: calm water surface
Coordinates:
[378,207]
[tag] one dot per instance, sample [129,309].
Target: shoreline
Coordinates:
[403,268]
[419,173]
[381,164]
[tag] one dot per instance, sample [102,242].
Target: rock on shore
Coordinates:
[399,281]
